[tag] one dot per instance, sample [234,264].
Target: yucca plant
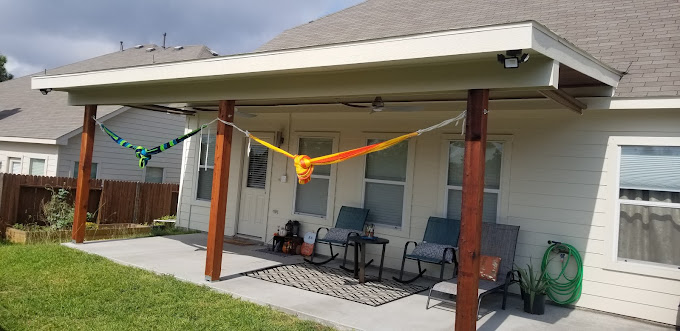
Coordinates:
[532,283]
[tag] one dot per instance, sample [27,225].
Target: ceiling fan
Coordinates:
[378,105]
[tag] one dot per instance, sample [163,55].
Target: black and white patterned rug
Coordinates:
[336,283]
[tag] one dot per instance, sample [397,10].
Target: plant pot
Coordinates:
[538,307]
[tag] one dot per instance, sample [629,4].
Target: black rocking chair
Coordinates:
[352,221]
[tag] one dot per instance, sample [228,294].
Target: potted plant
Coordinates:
[534,287]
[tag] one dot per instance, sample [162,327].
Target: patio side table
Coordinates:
[360,268]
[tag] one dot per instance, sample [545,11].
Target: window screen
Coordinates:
[37,167]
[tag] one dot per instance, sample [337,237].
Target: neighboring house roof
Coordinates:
[25,113]
[641,38]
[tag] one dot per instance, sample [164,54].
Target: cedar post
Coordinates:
[218,199]
[84,170]
[471,217]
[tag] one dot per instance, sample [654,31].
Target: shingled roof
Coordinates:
[25,113]
[641,38]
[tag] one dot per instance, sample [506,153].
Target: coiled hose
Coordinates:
[563,286]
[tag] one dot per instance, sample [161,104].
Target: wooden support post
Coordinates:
[84,170]
[218,199]
[471,217]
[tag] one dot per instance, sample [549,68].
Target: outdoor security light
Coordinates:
[44,91]
[513,58]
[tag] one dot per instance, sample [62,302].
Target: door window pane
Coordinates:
[257,166]
[93,171]
[153,175]
[204,185]
[315,147]
[489,209]
[385,202]
[492,169]
[649,200]
[388,164]
[14,165]
[37,167]
[312,198]
[649,234]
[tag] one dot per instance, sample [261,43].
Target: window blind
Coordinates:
[489,208]
[312,198]
[257,166]
[37,167]
[93,171]
[385,202]
[654,168]
[153,175]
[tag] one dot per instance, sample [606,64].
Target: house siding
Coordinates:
[27,151]
[557,186]
[139,127]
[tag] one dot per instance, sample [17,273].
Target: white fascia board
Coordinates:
[30,140]
[555,47]
[604,103]
[370,53]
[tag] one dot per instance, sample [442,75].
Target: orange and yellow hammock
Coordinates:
[304,165]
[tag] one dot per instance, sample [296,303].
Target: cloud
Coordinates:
[45,34]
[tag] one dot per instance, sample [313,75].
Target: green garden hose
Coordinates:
[563,286]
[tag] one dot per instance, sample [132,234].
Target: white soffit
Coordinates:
[454,45]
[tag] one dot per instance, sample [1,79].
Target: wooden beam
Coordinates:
[471,217]
[84,170]
[220,186]
[564,99]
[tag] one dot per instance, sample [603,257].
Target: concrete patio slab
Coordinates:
[184,257]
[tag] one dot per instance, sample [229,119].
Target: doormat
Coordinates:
[269,250]
[336,283]
[240,241]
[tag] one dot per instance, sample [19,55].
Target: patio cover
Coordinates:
[441,66]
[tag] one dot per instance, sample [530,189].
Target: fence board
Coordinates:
[22,197]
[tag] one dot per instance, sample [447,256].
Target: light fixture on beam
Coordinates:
[513,58]
[44,91]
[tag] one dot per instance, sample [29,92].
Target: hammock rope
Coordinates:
[304,165]
[142,153]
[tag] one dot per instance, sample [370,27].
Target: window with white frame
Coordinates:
[206,164]
[385,179]
[312,198]
[37,167]
[14,165]
[649,205]
[153,175]
[492,180]
[93,170]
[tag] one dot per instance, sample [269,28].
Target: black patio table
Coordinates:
[360,269]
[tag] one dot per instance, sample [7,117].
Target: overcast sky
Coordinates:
[38,34]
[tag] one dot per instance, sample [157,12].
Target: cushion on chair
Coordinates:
[432,251]
[338,235]
[488,267]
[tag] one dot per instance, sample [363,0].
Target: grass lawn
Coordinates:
[52,287]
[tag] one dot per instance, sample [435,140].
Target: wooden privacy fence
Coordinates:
[22,196]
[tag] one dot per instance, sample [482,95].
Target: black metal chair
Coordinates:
[441,231]
[497,240]
[352,221]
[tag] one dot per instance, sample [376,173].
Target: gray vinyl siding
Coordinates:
[139,127]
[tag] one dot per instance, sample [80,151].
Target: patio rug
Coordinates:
[336,283]
[240,241]
[269,250]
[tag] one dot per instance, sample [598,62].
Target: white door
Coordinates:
[254,205]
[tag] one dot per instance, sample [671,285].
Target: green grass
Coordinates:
[52,287]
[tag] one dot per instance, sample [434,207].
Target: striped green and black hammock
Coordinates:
[142,153]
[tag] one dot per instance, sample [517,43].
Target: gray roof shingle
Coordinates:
[26,113]
[639,37]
